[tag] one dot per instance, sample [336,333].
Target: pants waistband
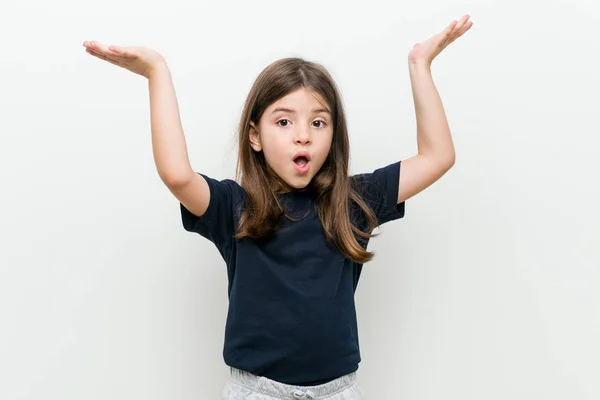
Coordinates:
[284,391]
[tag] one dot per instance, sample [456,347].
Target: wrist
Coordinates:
[157,68]
[419,66]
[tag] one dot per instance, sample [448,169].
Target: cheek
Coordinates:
[323,146]
[273,147]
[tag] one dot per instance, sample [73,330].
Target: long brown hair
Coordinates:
[332,185]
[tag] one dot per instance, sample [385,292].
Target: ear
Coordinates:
[254,138]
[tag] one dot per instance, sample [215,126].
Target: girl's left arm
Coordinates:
[436,153]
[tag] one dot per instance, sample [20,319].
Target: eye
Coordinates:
[283,120]
[322,124]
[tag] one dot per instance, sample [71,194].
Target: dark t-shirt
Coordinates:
[291,315]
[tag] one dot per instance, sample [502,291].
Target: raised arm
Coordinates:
[168,140]
[169,146]
[434,142]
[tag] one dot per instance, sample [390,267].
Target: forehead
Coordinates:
[300,100]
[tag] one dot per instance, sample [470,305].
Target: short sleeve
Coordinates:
[217,224]
[379,189]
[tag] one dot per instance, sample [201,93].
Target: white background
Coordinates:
[488,289]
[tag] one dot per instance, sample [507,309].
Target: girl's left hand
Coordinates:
[425,52]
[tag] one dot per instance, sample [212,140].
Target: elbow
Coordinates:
[446,164]
[449,161]
[443,162]
[176,179]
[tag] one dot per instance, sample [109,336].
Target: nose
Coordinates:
[302,135]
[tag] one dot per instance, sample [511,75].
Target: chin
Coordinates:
[298,183]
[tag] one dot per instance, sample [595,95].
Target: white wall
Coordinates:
[486,290]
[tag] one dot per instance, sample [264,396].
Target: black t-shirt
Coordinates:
[291,315]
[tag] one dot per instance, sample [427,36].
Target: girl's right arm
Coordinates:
[168,140]
[169,146]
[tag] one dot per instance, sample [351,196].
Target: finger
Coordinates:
[97,54]
[101,48]
[122,51]
[463,30]
[101,51]
[461,27]
[467,26]
[462,21]
[449,29]
[446,35]
[96,47]
[103,57]
[92,44]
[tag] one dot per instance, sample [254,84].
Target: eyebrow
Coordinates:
[290,111]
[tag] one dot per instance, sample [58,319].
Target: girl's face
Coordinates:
[295,135]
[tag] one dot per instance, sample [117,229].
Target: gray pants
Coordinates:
[246,386]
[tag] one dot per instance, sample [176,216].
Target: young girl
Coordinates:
[294,230]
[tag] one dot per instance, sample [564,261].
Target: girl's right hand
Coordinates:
[140,60]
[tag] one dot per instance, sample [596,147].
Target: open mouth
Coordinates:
[301,162]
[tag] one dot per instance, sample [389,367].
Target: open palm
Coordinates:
[139,60]
[428,50]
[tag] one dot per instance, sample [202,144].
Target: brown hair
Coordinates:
[332,185]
